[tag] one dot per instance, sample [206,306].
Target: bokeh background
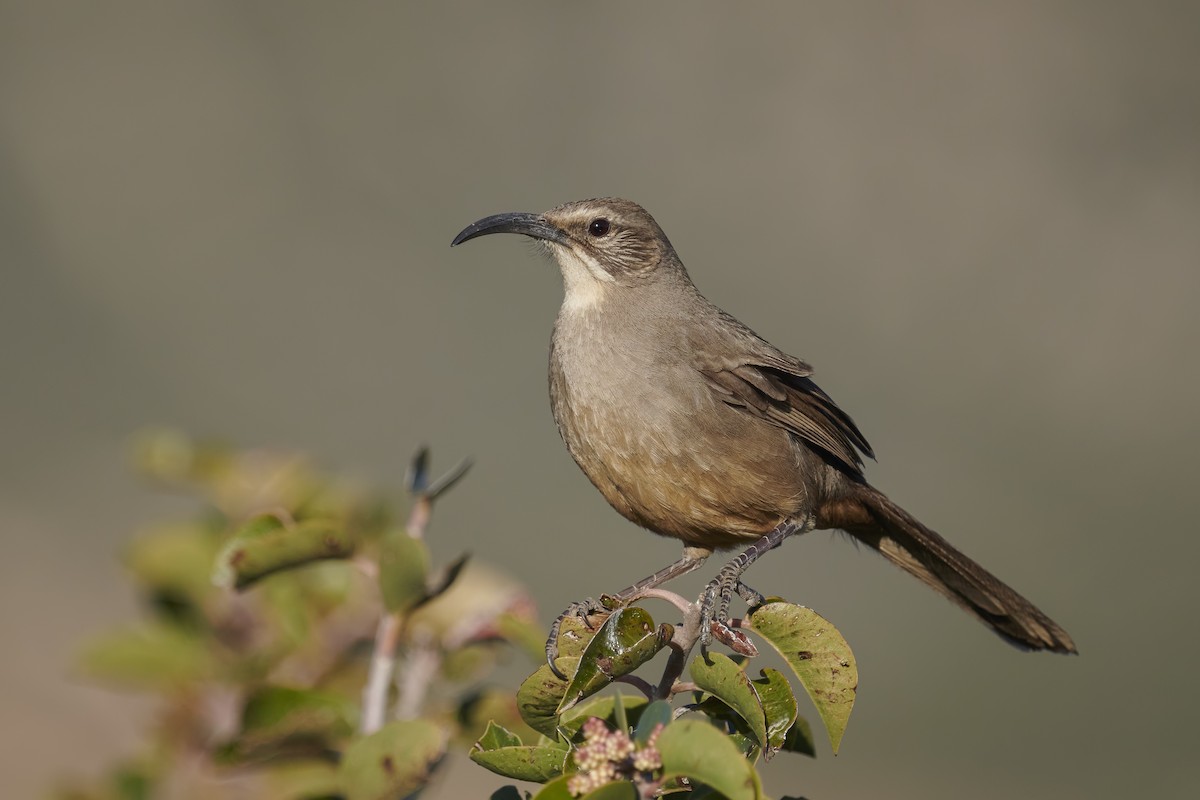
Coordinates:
[980,222]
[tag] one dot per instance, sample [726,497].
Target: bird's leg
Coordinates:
[692,558]
[714,604]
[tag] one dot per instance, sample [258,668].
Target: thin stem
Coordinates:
[412,683]
[639,683]
[675,665]
[423,658]
[664,594]
[418,516]
[647,790]
[379,678]
[686,636]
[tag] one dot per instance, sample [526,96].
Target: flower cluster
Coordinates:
[606,756]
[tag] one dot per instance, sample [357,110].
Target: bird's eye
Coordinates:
[598,227]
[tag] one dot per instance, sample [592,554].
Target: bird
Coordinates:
[694,427]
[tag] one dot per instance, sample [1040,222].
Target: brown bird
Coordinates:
[694,427]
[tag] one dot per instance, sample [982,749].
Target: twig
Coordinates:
[369,568]
[383,663]
[647,790]
[675,665]
[681,644]
[412,682]
[444,483]
[663,594]
[639,683]
[418,517]
[419,672]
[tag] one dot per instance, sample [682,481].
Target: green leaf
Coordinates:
[264,545]
[819,656]
[279,709]
[503,753]
[393,762]
[620,718]
[721,677]
[133,784]
[605,707]
[300,780]
[693,748]
[526,634]
[617,790]
[156,655]
[727,720]
[555,790]
[625,641]
[403,571]
[279,720]
[540,694]
[497,736]
[779,707]
[574,634]
[480,708]
[175,558]
[256,527]
[658,712]
[467,664]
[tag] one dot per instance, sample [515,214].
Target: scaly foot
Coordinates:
[583,610]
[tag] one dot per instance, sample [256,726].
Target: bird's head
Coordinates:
[599,244]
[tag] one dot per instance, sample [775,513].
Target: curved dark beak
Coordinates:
[534,225]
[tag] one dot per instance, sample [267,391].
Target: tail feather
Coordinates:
[871,517]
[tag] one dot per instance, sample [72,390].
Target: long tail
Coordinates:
[872,518]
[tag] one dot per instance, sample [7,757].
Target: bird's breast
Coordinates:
[663,450]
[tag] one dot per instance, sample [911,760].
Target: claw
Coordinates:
[714,613]
[584,611]
[753,598]
[692,558]
[610,602]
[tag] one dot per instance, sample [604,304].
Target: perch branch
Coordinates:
[686,635]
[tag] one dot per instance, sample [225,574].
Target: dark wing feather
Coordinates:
[795,404]
[776,388]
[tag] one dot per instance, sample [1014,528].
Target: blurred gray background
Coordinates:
[981,224]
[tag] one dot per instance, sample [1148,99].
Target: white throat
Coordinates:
[585,282]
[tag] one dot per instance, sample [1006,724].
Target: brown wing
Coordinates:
[796,404]
[776,388]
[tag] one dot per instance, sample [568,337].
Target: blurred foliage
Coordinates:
[263,626]
[303,644]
